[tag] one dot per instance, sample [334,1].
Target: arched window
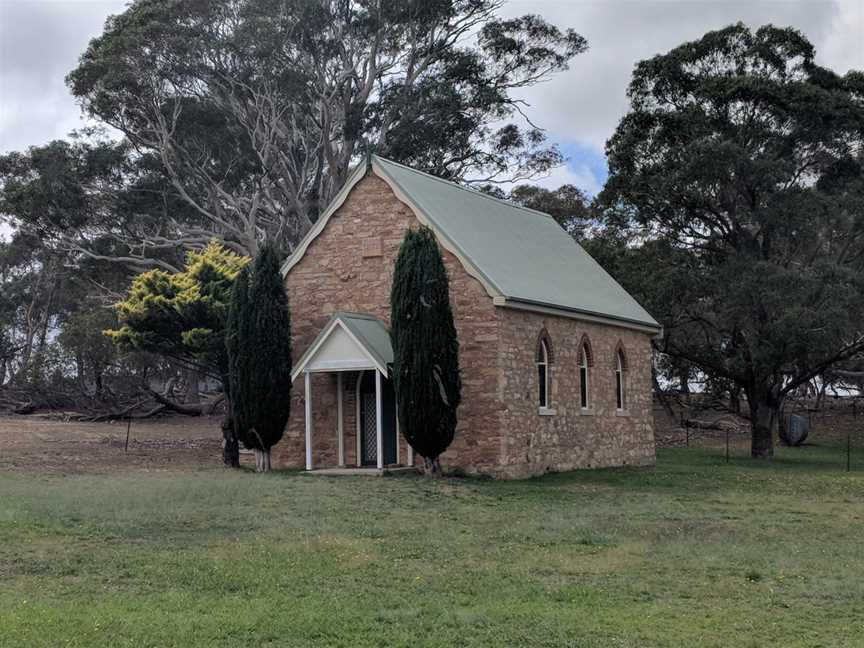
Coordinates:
[620,366]
[583,377]
[586,361]
[543,372]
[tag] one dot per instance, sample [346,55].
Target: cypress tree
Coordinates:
[236,334]
[425,348]
[259,347]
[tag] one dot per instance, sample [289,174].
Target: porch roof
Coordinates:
[349,341]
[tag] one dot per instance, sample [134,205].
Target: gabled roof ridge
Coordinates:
[475,192]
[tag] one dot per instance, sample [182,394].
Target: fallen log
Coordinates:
[127,413]
[198,409]
[720,424]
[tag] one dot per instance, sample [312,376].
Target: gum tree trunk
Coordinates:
[193,393]
[764,414]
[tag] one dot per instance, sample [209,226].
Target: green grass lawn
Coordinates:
[691,553]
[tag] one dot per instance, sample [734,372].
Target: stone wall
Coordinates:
[571,438]
[349,267]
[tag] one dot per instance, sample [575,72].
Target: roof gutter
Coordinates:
[517,303]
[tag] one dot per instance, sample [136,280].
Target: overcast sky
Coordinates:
[41,40]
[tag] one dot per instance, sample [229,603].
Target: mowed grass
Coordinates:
[690,553]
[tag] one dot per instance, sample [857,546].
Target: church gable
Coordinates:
[348,263]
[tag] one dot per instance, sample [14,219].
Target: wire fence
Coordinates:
[833,435]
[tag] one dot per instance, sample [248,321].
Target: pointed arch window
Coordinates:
[583,377]
[620,386]
[543,372]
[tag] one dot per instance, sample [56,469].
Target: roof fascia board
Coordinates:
[335,367]
[488,285]
[312,350]
[517,304]
[355,177]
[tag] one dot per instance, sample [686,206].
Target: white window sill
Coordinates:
[545,411]
[586,411]
[622,412]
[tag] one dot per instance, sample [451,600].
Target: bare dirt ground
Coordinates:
[36,444]
[43,444]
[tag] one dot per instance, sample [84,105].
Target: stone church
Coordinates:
[555,355]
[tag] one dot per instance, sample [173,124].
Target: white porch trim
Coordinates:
[340,432]
[379,422]
[308,381]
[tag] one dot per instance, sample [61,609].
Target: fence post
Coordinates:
[128,425]
[727,445]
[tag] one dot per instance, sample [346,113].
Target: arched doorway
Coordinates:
[366,421]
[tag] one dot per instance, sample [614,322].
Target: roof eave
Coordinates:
[652,328]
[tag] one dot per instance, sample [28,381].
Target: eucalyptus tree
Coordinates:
[255,109]
[742,159]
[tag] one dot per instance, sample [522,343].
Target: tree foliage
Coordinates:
[425,347]
[94,201]
[255,109]
[567,204]
[258,340]
[741,161]
[181,315]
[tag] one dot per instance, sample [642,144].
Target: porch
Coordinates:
[351,356]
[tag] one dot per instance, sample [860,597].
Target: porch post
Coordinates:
[308,380]
[339,429]
[379,436]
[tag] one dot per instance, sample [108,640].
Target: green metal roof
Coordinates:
[371,333]
[524,254]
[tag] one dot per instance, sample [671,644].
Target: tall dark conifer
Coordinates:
[259,347]
[425,348]
[236,334]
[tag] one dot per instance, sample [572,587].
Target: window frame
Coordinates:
[584,380]
[543,391]
[620,383]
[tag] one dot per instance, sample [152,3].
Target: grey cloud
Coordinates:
[40,42]
[585,103]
